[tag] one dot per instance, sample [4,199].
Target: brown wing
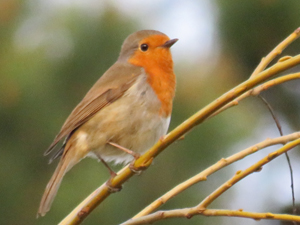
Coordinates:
[111,86]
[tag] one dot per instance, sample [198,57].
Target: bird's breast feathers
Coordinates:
[133,121]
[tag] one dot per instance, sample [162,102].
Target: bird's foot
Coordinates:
[140,168]
[109,185]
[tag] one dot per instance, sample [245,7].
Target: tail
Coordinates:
[65,164]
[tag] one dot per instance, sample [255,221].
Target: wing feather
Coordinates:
[110,87]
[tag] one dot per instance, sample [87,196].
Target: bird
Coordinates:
[124,113]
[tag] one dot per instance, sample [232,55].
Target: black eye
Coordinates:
[144,47]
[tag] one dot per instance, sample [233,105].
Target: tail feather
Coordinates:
[65,164]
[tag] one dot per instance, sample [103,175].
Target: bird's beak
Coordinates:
[169,43]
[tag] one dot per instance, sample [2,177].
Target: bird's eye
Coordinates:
[144,47]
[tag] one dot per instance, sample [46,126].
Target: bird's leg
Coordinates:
[130,152]
[111,172]
[134,154]
[112,175]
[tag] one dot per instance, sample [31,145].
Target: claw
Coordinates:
[134,169]
[112,189]
[138,170]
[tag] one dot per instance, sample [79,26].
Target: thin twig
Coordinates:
[190,212]
[275,52]
[257,90]
[279,127]
[202,176]
[286,154]
[201,208]
[242,174]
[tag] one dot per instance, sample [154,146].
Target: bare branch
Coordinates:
[189,212]
[275,52]
[202,176]
[241,174]
[286,154]
[201,208]
[258,90]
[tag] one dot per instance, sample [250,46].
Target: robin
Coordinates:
[126,111]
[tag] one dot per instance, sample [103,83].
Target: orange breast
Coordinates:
[158,65]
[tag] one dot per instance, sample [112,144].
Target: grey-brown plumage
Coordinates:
[129,105]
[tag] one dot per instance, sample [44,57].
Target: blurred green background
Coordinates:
[52,52]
